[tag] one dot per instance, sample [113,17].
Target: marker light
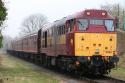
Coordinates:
[88,13]
[103,14]
[77,62]
[89,58]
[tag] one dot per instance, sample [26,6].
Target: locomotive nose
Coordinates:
[95,44]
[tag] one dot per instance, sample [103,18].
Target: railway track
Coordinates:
[109,80]
[103,79]
[87,79]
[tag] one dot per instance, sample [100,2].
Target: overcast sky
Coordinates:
[53,9]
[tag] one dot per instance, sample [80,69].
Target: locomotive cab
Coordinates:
[91,37]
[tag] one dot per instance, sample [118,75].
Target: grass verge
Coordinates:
[13,70]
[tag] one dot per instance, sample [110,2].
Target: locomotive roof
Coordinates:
[94,13]
[27,36]
[60,22]
[47,26]
[55,23]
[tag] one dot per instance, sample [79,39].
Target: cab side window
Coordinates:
[70,25]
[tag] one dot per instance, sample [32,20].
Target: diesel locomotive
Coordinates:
[83,43]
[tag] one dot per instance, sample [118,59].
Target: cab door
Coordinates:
[70,36]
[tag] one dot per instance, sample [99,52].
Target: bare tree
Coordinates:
[33,23]
[116,11]
[113,9]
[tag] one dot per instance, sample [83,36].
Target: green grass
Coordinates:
[118,73]
[14,70]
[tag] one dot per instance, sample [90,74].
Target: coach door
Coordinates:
[39,41]
[54,30]
[45,39]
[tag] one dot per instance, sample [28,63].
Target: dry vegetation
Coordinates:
[121,47]
[0,60]
[122,61]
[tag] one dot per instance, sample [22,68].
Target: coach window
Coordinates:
[64,29]
[51,32]
[61,30]
[58,30]
[43,35]
[47,33]
[109,25]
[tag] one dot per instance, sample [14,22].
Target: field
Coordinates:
[17,71]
